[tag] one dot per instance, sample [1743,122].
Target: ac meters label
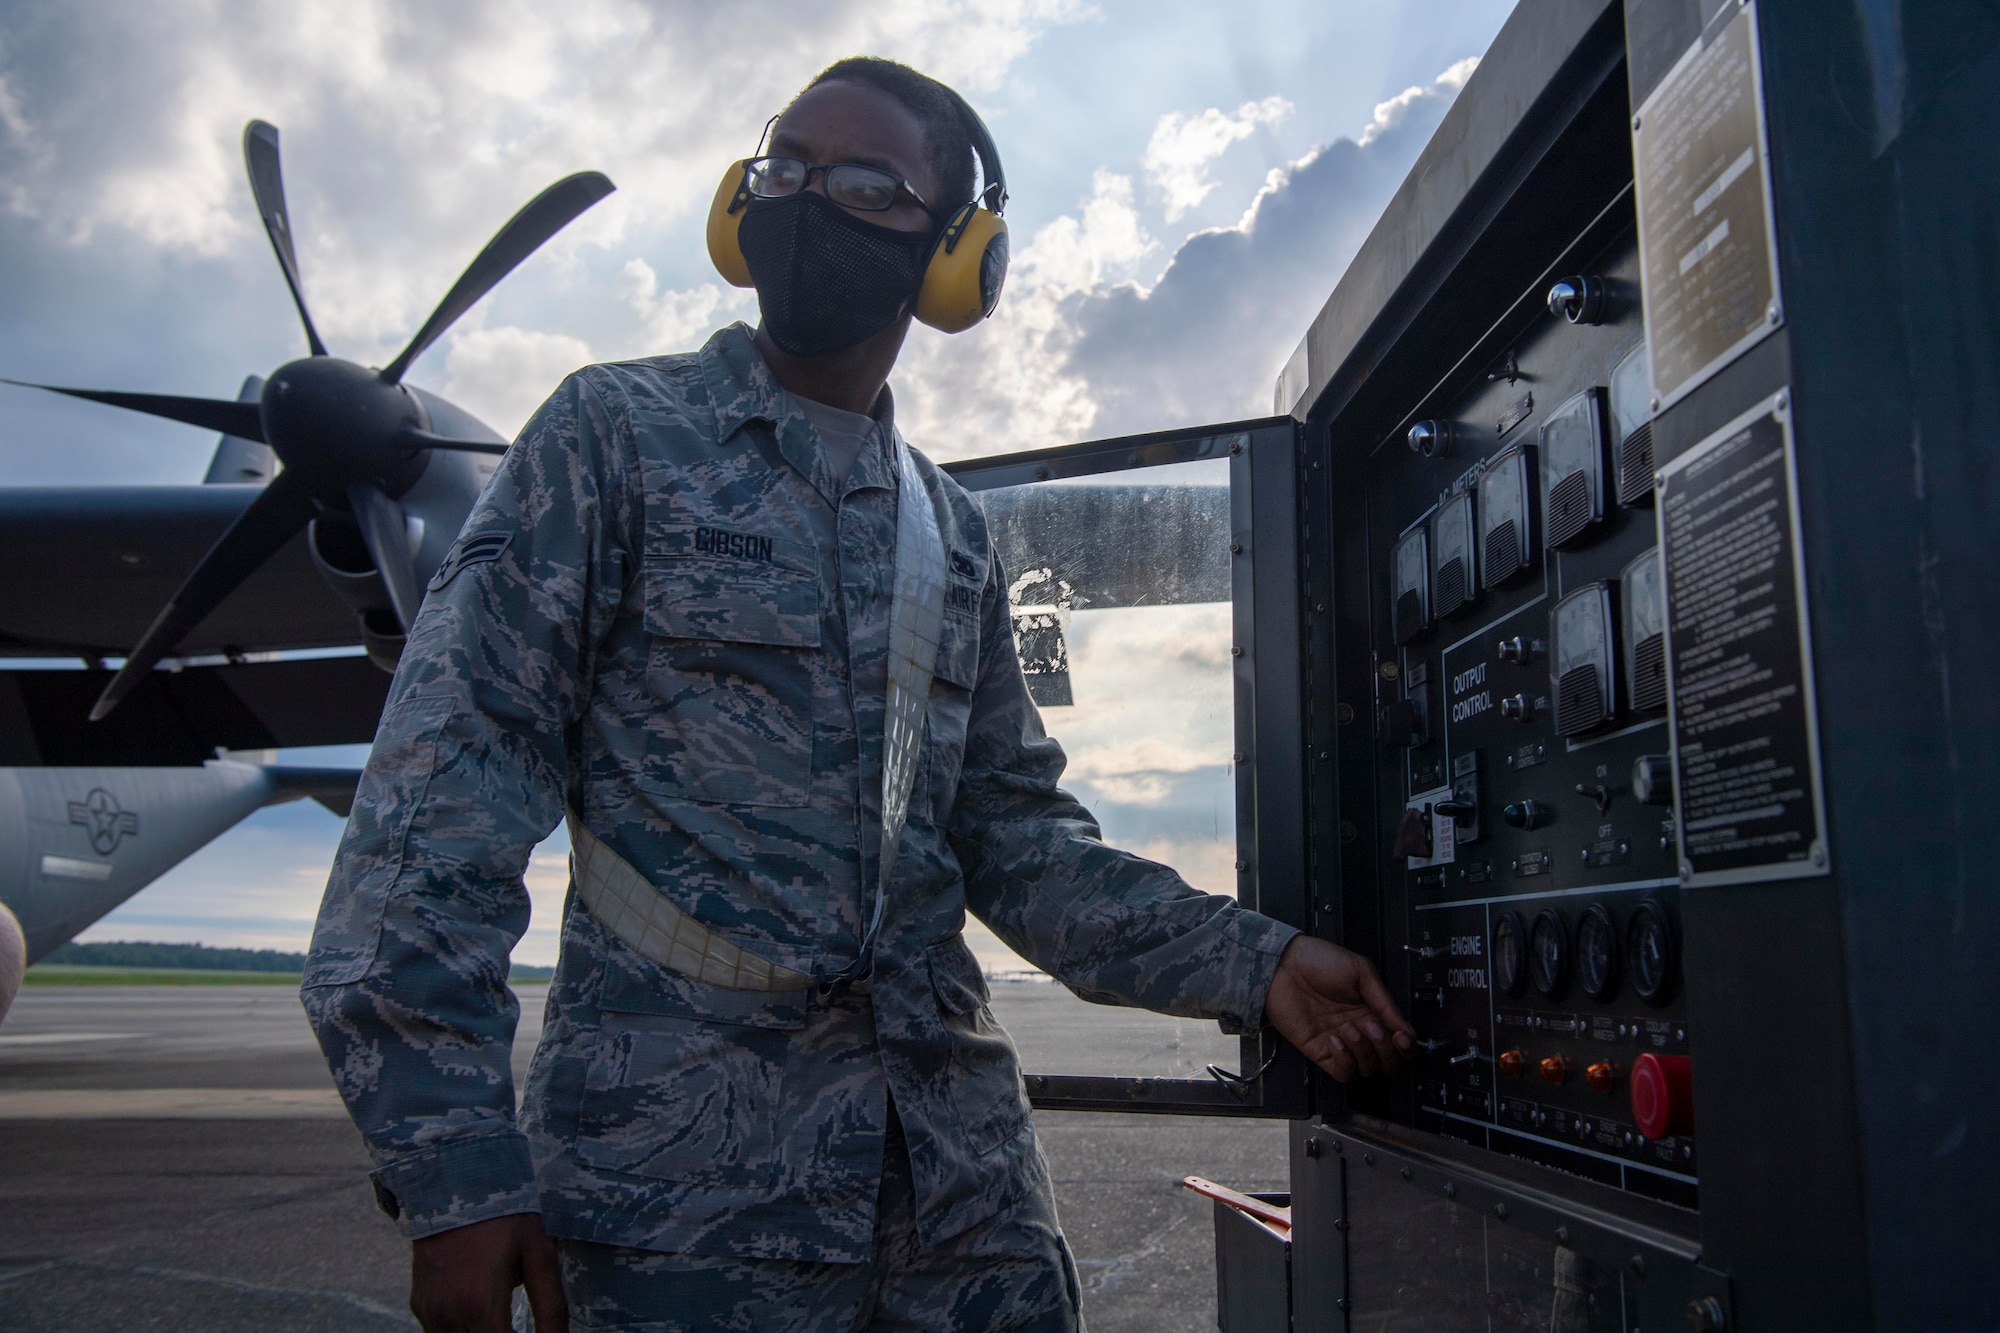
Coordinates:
[1739,657]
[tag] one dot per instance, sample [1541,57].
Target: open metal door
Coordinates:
[1156,602]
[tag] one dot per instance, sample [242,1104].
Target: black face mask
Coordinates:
[825,279]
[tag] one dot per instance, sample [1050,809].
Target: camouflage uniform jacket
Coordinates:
[664,612]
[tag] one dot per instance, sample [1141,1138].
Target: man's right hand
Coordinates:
[463,1280]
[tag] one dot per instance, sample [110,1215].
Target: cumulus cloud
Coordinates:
[1082,347]
[1177,157]
[502,374]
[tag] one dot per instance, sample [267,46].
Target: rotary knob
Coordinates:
[1431,439]
[1580,300]
[1653,779]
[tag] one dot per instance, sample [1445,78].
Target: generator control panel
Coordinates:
[1533,896]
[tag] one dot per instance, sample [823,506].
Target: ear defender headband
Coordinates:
[968,263]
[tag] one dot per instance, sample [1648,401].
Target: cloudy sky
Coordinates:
[1188,179]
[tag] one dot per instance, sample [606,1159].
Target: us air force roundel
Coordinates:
[473,550]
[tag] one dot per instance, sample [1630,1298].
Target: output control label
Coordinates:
[1739,657]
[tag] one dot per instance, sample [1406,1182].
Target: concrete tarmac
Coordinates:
[174,1158]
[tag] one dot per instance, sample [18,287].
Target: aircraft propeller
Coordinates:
[352,439]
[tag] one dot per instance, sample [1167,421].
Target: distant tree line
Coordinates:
[134,953]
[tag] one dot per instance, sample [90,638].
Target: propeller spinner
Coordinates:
[353,439]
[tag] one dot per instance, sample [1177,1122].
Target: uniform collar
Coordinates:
[742,389]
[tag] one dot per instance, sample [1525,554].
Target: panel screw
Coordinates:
[1236,650]
[1348,833]
[1390,671]
[1638,1263]
[1320,607]
[1655,402]
[1406,1173]
[1236,446]
[1562,1235]
[1368,1158]
[1236,548]
[1635,124]
[1042,474]
[1242,865]
[1500,1210]
[1325,755]
[1338,1146]
[1450,1191]
[1773,313]
[1344,714]
[1340,1224]
[1341,1304]
[1236,758]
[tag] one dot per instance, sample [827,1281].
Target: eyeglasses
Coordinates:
[849,184]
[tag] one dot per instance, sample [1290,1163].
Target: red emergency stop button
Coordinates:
[1662,1095]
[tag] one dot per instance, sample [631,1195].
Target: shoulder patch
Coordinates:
[479,549]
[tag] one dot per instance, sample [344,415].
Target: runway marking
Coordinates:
[58,1038]
[172,1104]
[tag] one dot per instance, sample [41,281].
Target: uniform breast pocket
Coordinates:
[731,669]
[687,1079]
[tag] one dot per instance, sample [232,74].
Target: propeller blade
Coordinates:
[413,439]
[386,533]
[239,419]
[267,184]
[273,518]
[545,215]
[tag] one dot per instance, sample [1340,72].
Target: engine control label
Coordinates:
[1739,657]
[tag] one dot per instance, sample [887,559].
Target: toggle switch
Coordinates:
[1599,796]
[1470,1054]
[1662,1095]
[1512,1062]
[1601,1075]
[1555,1068]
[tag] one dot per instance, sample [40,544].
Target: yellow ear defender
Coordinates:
[967,266]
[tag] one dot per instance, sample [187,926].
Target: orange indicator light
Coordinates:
[1600,1076]
[1512,1063]
[1555,1068]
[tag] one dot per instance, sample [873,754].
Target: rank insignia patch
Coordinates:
[474,550]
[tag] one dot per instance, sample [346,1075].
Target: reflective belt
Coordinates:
[626,904]
[630,907]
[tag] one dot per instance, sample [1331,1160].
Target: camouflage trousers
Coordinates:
[1013,1273]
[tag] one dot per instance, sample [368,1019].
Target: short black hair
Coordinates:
[948,137]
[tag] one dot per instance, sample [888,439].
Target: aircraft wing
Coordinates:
[89,567]
[182,717]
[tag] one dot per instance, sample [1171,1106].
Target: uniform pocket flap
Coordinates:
[958,652]
[635,985]
[956,976]
[688,599]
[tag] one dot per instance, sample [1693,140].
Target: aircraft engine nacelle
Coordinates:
[434,510]
[77,842]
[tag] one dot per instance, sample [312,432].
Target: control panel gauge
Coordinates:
[1643,596]
[1573,468]
[1582,664]
[1548,953]
[1505,512]
[1597,952]
[1455,581]
[1632,427]
[1652,954]
[1510,953]
[1410,585]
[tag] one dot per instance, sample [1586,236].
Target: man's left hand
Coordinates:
[1330,1003]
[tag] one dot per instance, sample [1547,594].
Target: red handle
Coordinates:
[1269,1213]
